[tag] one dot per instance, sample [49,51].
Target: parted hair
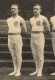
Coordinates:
[15,5]
[38,5]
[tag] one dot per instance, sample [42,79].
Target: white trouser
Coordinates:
[15,48]
[53,41]
[37,47]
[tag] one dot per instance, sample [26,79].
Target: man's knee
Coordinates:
[20,59]
[41,59]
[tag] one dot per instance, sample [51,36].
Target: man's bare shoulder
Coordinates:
[31,18]
[21,18]
[52,17]
[43,17]
[9,18]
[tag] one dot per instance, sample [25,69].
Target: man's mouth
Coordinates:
[12,11]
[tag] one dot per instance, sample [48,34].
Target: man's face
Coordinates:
[14,9]
[36,10]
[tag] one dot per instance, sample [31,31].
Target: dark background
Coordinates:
[26,8]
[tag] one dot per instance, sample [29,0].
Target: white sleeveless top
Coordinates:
[52,19]
[14,24]
[37,24]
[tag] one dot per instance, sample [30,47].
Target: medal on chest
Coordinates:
[15,23]
[38,23]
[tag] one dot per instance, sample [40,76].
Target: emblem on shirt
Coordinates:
[38,23]
[15,23]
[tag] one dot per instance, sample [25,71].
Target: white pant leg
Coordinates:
[40,50]
[34,52]
[11,46]
[19,51]
[53,42]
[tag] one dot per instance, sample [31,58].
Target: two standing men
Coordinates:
[15,24]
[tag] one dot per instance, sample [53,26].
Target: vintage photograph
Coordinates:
[27,39]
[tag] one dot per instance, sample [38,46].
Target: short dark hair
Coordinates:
[15,5]
[38,5]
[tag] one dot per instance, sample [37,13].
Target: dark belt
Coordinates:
[53,30]
[36,31]
[14,33]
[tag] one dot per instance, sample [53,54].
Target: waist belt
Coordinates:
[53,30]
[36,31]
[13,33]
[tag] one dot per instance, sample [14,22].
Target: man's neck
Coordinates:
[36,15]
[14,15]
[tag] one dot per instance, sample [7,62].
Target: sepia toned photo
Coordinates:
[27,39]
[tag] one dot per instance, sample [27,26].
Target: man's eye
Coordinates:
[36,9]
[13,8]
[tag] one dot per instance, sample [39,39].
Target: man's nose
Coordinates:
[13,9]
[35,10]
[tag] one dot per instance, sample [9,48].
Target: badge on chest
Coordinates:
[15,23]
[38,23]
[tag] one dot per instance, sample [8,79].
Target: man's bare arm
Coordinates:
[30,27]
[46,26]
[7,27]
[23,26]
[50,25]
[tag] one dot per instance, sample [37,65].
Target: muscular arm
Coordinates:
[7,27]
[46,26]
[23,26]
[50,25]
[30,26]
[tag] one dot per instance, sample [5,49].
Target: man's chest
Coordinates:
[53,21]
[37,22]
[14,23]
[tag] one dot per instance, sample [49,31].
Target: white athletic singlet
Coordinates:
[14,24]
[37,24]
[52,19]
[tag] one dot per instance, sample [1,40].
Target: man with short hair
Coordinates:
[15,25]
[52,26]
[39,24]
